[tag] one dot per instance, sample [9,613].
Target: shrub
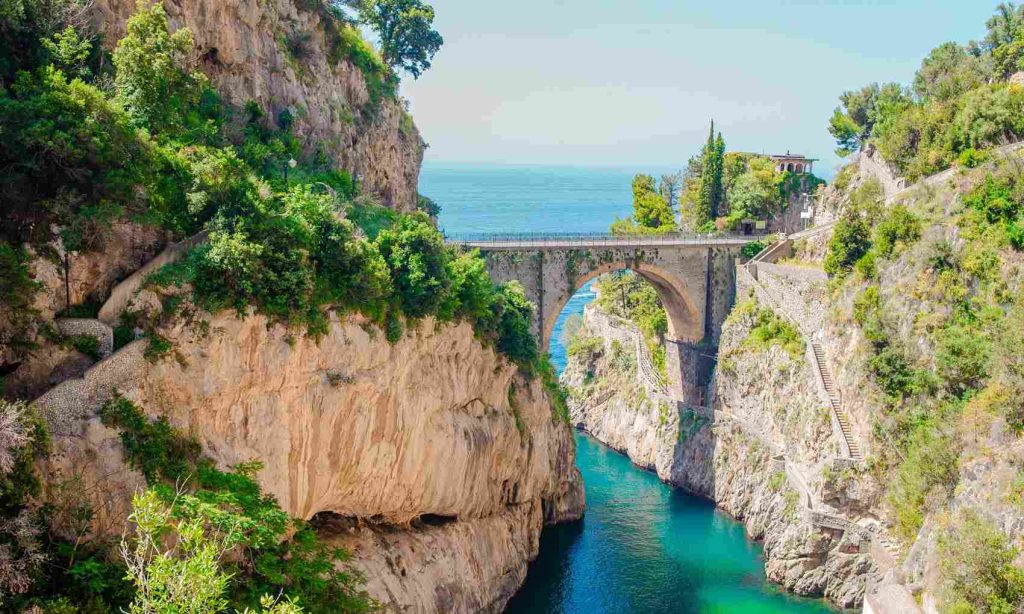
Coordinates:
[752,249]
[898,230]
[892,372]
[867,266]
[515,339]
[585,347]
[850,241]
[88,345]
[972,158]
[961,358]
[769,330]
[928,473]
[154,448]
[977,567]
[414,252]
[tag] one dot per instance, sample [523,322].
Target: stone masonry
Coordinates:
[695,282]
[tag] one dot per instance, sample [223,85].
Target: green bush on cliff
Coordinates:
[849,243]
[927,476]
[977,568]
[961,103]
[769,329]
[232,505]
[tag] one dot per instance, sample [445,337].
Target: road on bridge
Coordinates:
[528,241]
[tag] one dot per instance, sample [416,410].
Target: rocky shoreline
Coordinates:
[727,453]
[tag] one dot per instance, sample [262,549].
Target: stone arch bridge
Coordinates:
[694,275]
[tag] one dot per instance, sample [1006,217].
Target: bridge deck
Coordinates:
[527,241]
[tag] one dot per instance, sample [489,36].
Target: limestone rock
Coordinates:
[242,46]
[765,403]
[416,431]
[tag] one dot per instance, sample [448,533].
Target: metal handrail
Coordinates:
[595,237]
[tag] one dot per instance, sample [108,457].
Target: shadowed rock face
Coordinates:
[416,442]
[765,402]
[239,45]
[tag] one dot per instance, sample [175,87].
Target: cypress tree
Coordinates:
[704,209]
[717,186]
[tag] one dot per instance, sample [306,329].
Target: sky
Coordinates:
[632,83]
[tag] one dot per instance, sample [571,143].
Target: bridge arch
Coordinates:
[685,320]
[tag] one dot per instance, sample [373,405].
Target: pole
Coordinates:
[67,282]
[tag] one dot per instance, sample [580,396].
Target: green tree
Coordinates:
[756,193]
[851,239]
[405,27]
[855,120]
[949,71]
[710,195]
[415,254]
[852,121]
[1005,39]
[650,210]
[152,80]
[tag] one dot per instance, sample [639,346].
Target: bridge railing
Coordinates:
[583,239]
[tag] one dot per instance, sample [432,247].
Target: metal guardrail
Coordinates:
[584,239]
[646,367]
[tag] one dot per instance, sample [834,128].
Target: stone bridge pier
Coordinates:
[694,277]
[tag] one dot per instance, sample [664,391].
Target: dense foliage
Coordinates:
[721,189]
[214,512]
[962,100]
[652,213]
[960,369]
[629,296]
[405,28]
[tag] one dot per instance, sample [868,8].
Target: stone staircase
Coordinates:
[64,405]
[836,401]
[646,368]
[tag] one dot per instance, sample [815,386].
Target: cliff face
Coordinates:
[759,452]
[409,453]
[277,53]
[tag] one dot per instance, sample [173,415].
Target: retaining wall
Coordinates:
[122,294]
[76,327]
[65,405]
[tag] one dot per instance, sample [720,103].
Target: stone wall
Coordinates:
[799,292]
[122,294]
[74,327]
[67,404]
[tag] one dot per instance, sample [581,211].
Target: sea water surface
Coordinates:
[643,546]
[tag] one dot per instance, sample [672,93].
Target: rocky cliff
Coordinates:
[759,452]
[433,460]
[286,54]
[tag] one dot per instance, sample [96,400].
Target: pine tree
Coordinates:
[717,188]
[712,191]
[704,207]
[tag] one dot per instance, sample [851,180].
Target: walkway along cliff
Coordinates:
[430,456]
[799,435]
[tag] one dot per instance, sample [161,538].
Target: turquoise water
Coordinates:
[643,547]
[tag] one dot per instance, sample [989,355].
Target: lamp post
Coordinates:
[290,164]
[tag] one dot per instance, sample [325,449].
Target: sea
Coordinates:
[643,546]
